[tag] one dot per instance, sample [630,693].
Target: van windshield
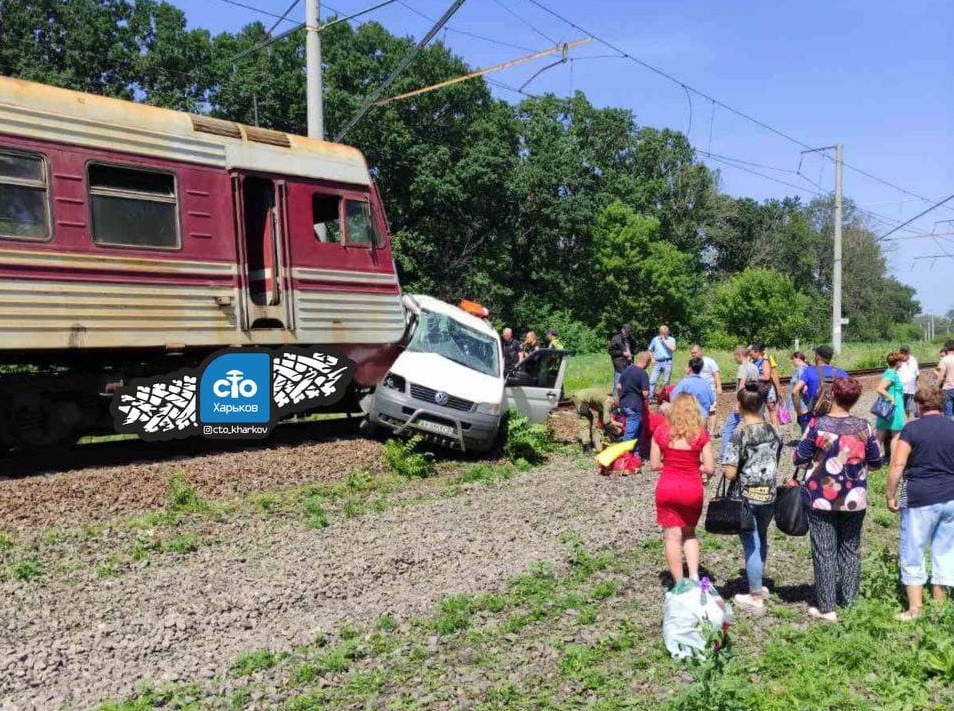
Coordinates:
[440,334]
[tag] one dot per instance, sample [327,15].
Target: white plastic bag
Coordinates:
[691,615]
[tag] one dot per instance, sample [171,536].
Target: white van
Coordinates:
[448,384]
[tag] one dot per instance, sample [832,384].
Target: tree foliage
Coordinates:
[552,211]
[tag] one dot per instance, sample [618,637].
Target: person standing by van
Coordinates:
[663,347]
[622,346]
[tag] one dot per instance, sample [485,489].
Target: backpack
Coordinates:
[825,395]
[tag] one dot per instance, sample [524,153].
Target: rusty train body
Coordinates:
[136,240]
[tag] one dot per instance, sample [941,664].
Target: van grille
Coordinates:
[419,392]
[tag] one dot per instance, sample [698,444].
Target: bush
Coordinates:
[526,442]
[182,498]
[403,458]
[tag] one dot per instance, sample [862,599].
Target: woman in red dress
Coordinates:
[681,449]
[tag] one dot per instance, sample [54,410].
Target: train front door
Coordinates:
[266,303]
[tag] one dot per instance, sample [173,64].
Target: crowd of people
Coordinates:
[913,435]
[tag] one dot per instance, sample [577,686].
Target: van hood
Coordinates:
[439,373]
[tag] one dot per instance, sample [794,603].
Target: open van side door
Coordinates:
[535,385]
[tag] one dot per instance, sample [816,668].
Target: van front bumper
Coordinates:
[447,427]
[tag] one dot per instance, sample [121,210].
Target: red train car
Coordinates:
[135,240]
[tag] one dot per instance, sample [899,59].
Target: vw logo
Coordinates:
[441,398]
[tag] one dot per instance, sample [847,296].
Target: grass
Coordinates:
[249,663]
[595,370]
[27,569]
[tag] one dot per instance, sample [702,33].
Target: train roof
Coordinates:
[60,115]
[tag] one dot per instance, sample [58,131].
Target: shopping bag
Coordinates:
[883,408]
[728,512]
[694,617]
[790,515]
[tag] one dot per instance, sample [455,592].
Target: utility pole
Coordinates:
[836,320]
[836,266]
[316,127]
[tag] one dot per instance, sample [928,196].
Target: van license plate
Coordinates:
[445,430]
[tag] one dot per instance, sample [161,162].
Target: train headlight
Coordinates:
[395,382]
[488,408]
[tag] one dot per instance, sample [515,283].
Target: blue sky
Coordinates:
[876,75]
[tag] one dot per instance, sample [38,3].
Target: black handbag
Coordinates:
[790,514]
[883,408]
[729,512]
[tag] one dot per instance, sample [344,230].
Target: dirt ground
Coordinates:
[77,637]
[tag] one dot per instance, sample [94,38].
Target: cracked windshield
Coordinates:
[444,336]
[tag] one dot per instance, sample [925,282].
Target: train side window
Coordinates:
[360,229]
[132,207]
[24,198]
[326,215]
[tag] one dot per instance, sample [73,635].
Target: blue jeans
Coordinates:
[949,403]
[922,526]
[731,422]
[755,545]
[660,368]
[633,420]
[616,376]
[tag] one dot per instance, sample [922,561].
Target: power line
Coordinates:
[465,32]
[260,11]
[284,15]
[533,27]
[920,214]
[716,102]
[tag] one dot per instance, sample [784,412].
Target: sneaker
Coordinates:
[765,592]
[826,616]
[750,603]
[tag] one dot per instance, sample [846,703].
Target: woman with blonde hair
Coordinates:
[682,453]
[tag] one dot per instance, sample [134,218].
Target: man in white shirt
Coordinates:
[711,374]
[662,347]
[909,372]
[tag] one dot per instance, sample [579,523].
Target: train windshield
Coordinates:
[440,334]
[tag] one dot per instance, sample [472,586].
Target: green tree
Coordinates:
[756,305]
[641,279]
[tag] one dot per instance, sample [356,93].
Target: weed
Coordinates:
[525,441]
[359,480]
[879,577]
[380,503]
[182,498]
[239,698]
[348,632]
[403,458]
[484,473]
[588,615]
[109,568]
[386,623]
[186,543]
[604,589]
[885,519]
[579,664]
[315,514]
[6,542]
[27,569]
[351,508]
[250,662]
[174,697]
[454,615]
[266,503]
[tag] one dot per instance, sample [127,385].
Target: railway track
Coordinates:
[134,451]
[857,373]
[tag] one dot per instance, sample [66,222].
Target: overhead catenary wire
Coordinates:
[282,18]
[466,33]
[716,102]
[526,22]
[487,70]
[919,215]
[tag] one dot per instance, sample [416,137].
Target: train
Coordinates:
[136,240]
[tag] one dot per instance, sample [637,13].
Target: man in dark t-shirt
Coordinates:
[633,389]
[511,350]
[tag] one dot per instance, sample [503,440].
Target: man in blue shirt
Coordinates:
[662,347]
[633,387]
[805,390]
[694,384]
